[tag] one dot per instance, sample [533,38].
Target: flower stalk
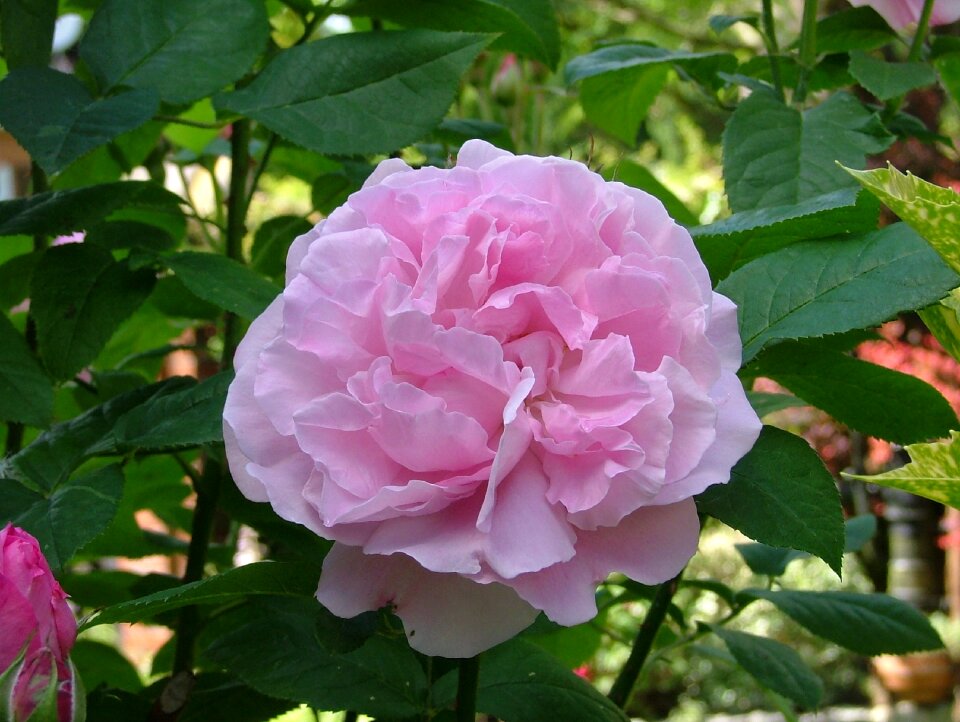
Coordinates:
[623,686]
[467,679]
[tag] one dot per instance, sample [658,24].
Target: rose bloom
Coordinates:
[491,385]
[37,629]
[901,13]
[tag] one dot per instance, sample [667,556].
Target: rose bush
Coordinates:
[37,631]
[901,13]
[491,385]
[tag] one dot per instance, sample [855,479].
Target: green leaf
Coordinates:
[867,624]
[638,176]
[80,295]
[26,394]
[48,461]
[68,518]
[527,27]
[59,212]
[381,678]
[54,117]
[619,104]
[101,664]
[858,393]
[271,242]
[26,32]
[852,29]
[887,80]
[775,156]
[932,211]
[219,697]
[223,282]
[781,494]
[185,418]
[400,83]
[948,66]
[859,530]
[735,241]
[182,48]
[767,560]
[115,235]
[273,578]
[765,404]
[821,287]
[626,59]
[519,682]
[943,321]
[933,472]
[774,665]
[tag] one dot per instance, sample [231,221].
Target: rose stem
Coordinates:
[808,49]
[468,676]
[773,49]
[623,686]
[208,491]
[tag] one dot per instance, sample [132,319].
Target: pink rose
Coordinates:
[492,386]
[901,13]
[37,629]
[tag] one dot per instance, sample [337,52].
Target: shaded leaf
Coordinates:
[768,560]
[50,458]
[765,404]
[272,578]
[54,117]
[60,212]
[774,665]
[70,517]
[26,393]
[859,28]
[864,623]
[361,92]
[271,242]
[79,296]
[887,80]
[858,531]
[26,32]
[781,494]
[874,400]
[815,288]
[381,677]
[223,282]
[189,417]
[182,48]
[527,27]
[519,682]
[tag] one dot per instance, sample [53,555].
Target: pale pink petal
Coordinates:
[443,615]
[650,546]
[737,428]
[477,153]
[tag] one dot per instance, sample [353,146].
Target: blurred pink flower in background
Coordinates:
[901,13]
[491,385]
[37,630]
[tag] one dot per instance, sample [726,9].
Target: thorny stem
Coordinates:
[773,48]
[808,49]
[627,679]
[468,676]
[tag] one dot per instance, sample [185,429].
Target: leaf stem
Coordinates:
[808,49]
[916,47]
[623,686]
[773,48]
[467,679]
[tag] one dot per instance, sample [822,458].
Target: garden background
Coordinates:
[156,165]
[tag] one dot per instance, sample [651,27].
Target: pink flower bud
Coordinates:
[37,632]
